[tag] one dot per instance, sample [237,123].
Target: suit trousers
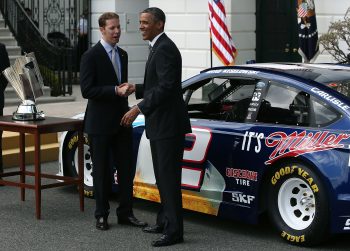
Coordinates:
[167,155]
[108,151]
[1,163]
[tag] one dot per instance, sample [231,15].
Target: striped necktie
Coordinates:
[149,51]
[115,65]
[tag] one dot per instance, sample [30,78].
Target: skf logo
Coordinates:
[242,198]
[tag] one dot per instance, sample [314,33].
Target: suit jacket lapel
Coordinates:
[107,59]
[154,48]
[122,64]
[105,56]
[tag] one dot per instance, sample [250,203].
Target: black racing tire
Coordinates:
[70,161]
[298,205]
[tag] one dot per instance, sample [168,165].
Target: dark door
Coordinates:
[276,31]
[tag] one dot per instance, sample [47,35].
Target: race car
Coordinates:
[265,138]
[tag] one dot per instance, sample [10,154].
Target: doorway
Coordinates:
[276,31]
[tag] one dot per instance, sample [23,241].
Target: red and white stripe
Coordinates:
[222,43]
[302,10]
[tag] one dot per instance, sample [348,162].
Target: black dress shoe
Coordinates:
[132,221]
[102,224]
[167,240]
[155,229]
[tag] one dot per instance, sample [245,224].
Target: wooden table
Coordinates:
[48,125]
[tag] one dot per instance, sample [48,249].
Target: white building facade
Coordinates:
[187,24]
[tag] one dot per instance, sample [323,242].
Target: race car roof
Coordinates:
[323,73]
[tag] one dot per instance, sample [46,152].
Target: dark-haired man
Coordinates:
[103,69]
[167,122]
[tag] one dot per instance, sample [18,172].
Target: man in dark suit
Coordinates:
[167,122]
[103,69]
[4,63]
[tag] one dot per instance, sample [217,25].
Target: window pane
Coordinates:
[323,113]
[289,106]
[284,105]
[221,99]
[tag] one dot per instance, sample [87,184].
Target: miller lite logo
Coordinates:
[296,144]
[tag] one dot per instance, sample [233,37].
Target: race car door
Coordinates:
[210,173]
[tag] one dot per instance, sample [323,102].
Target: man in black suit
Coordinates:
[4,63]
[167,122]
[103,69]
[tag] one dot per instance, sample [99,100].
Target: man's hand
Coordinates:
[130,116]
[125,89]
[122,89]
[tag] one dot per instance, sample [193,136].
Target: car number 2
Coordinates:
[197,152]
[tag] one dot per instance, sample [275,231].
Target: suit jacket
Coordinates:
[97,81]
[163,105]
[4,63]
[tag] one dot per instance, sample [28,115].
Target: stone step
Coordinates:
[13,50]
[2,22]
[5,32]
[8,41]
[49,148]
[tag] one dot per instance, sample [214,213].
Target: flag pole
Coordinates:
[211,53]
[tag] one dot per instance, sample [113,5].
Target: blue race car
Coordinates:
[266,138]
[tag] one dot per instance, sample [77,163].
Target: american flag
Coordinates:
[222,43]
[307,29]
[302,10]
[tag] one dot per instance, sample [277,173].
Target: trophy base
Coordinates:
[27,111]
[28,116]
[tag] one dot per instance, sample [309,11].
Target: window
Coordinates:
[289,106]
[324,114]
[221,99]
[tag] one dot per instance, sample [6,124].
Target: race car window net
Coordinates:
[223,90]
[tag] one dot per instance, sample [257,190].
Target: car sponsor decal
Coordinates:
[234,71]
[296,144]
[288,170]
[242,177]
[293,238]
[242,198]
[330,98]
[252,139]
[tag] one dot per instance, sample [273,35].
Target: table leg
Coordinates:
[37,175]
[81,168]
[22,157]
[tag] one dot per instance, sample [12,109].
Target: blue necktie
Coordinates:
[115,65]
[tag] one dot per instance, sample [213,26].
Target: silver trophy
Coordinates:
[24,76]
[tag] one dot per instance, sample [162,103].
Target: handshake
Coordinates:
[125,89]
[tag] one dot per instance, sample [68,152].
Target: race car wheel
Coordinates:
[70,160]
[298,205]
